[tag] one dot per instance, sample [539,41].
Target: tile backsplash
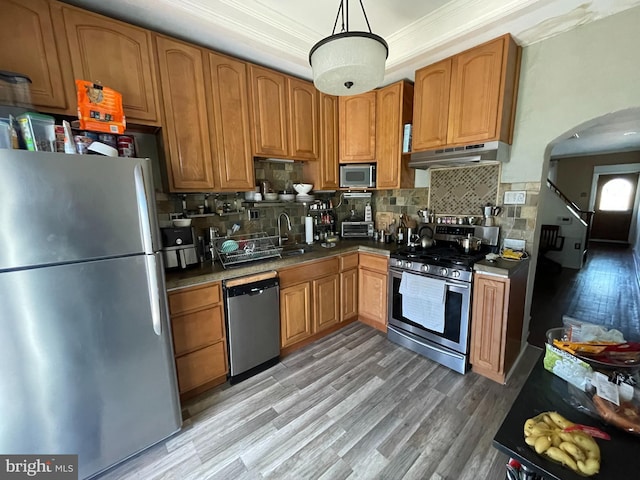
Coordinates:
[464,190]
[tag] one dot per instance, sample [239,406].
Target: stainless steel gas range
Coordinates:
[430,293]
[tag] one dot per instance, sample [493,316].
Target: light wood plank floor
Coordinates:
[350,406]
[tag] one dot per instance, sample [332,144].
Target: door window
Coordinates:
[616,196]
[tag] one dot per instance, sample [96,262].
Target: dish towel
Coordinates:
[423,301]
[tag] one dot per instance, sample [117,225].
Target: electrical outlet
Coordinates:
[576,245]
[515,198]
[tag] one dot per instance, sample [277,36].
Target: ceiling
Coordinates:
[280,33]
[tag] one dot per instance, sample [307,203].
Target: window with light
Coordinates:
[616,196]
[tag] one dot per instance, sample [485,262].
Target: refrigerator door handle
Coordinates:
[144,213]
[156,285]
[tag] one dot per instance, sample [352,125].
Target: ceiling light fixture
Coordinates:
[348,63]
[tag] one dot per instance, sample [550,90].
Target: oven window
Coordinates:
[452,313]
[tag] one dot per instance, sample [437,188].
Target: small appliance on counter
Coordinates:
[178,247]
[349,229]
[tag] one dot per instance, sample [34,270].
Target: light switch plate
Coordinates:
[515,198]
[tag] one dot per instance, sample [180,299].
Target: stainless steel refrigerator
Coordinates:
[86,363]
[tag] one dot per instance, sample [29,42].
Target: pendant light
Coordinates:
[348,63]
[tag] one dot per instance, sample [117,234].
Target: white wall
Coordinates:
[566,81]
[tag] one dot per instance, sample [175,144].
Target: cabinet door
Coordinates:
[487,323]
[295,314]
[324,173]
[29,47]
[476,93]
[229,102]
[269,107]
[372,298]
[303,119]
[186,126]
[357,119]
[349,294]
[431,106]
[201,366]
[394,106]
[116,55]
[196,330]
[326,302]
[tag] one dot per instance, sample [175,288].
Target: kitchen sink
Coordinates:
[295,249]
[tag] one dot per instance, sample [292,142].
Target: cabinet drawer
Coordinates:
[197,329]
[201,366]
[308,271]
[194,298]
[377,263]
[348,261]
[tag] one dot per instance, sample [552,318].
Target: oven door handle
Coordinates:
[458,285]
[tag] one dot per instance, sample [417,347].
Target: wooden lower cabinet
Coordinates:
[199,338]
[348,294]
[295,314]
[372,290]
[309,301]
[496,322]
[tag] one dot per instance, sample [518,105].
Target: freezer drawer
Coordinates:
[94,373]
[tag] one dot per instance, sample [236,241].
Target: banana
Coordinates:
[560,421]
[590,466]
[563,457]
[542,443]
[573,450]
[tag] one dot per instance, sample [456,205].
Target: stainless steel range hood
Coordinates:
[463,155]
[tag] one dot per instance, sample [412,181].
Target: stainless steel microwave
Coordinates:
[358,175]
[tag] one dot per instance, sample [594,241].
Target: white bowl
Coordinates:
[303,188]
[287,197]
[181,222]
[270,196]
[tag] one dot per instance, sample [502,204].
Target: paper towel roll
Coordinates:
[308,230]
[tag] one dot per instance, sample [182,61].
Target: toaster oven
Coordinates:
[356,230]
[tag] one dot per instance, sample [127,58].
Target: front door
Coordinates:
[615,198]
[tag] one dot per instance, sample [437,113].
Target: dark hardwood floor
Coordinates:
[605,292]
[350,406]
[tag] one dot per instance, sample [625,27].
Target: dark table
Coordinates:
[543,392]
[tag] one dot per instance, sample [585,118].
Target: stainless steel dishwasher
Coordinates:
[253,324]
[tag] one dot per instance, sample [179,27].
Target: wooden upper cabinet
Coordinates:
[431,105]
[475,99]
[116,55]
[324,173]
[185,126]
[303,119]
[357,120]
[394,105]
[468,98]
[229,102]
[29,47]
[270,112]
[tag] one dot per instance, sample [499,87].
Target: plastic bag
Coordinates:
[99,108]
[580,331]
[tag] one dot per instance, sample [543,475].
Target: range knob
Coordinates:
[444,272]
[400,263]
[425,268]
[408,264]
[455,274]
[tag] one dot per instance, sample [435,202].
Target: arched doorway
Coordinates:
[611,294]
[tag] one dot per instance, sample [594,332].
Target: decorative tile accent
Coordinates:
[464,190]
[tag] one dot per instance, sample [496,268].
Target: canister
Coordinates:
[126,146]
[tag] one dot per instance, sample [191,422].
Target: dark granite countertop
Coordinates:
[543,392]
[210,273]
[500,267]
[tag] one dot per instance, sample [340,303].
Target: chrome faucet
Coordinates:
[279,226]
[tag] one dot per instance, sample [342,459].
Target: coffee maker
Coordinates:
[178,247]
